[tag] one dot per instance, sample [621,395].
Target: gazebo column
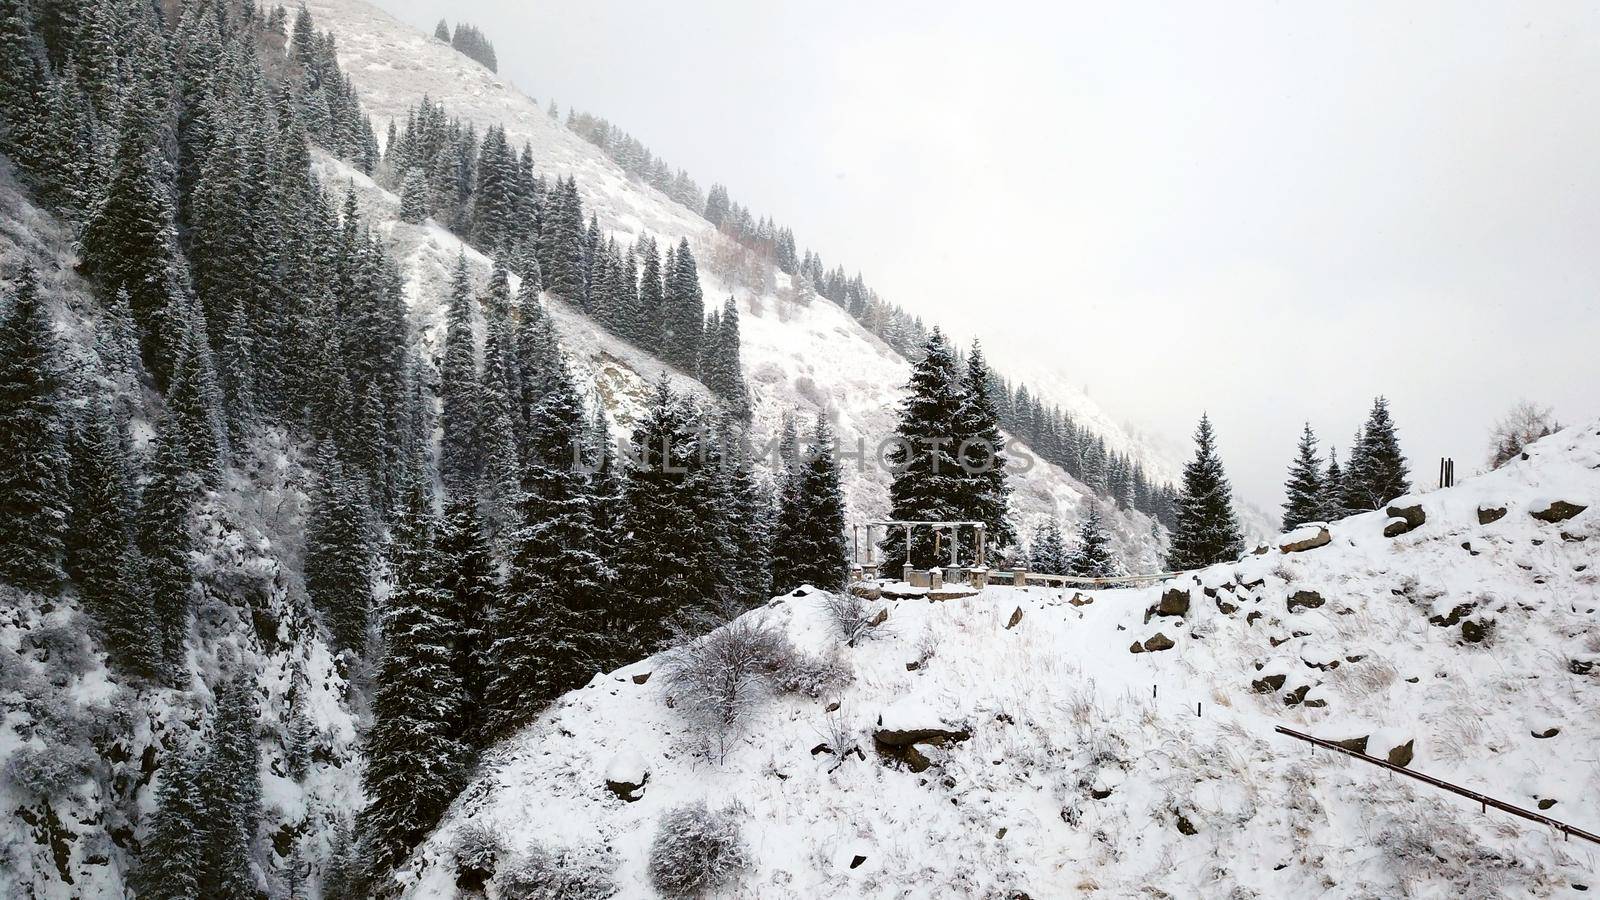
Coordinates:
[905,574]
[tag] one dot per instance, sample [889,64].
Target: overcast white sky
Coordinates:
[1269,211]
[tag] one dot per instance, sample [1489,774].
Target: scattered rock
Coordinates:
[879,619]
[1456,614]
[901,744]
[1305,538]
[1269,684]
[1487,514]
[641,678]
[1396,527]
[1571,538]
[1080,600]
[1158,643]
[1403,754]
[1358,744]
[1557,511]
[857,861]
[1252,616]
[1411,514]
[627,775]
[1001,834]
[1016,618]
[1546,803]
[1136,648]
[1174,602]
[1546,734]
[1580,666]
[1476,631]
[1185,827]
[820,749]
[1296,696]
[1305,600]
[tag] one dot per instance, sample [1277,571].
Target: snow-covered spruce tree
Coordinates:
[1377,471]
[1207,531]
[416,758]
[338,560]
[493,201]
[131,243]
[34,464]
[416,197]
[720,368]
[1331,498]
[164,540]
[561,238]
[24,88]
[659,565]
[545,634]
[501,489]
[196,406]
[1093,557]
[230,795]
[928,480]
[980,450]
[468,576]
[442,31]
[1304,487]
[809,546]
[99,544]
[460,456]
[648,308]
[1046,553]
[750,521]
[682,311]
[171,856]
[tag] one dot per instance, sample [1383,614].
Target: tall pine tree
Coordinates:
[1304,487]
[1206,531]
[34,466]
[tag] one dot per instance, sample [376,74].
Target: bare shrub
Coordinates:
[49,771]
[697,849]
[567,873]
[848,617]
[1522,425]
[719,682]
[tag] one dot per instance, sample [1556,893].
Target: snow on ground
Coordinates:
[1090,768]
[800,358]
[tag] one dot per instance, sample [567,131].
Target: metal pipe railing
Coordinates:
[1483,799]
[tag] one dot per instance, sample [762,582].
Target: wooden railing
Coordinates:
[1484,800]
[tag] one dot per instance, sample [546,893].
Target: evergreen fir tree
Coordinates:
[230,795]
[546,633]
[823,562]
[99,548]
[1092,557]
[928,481]
[416,756]
[1046,553]
[34,465]
[416,200]
[172,855]
[460,457]
[979,449]
[1305,487]
[1331,500]
[338,564]
[1206,531]
[164,540]
[656,557]
[682,312]
[1377,471]
[468,576]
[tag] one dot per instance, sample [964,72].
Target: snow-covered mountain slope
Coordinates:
[1077,763]
[801,357]
[79,745]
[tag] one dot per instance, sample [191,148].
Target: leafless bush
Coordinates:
[839,733]
[568,873]
[719,682]
[848,616]
[1522,425]
[697,849]
[49,772]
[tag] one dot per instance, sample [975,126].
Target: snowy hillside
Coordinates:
[800,357]
[1122,741]
[79,743]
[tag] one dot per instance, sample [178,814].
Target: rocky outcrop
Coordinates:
[1557,511]
[901,745]
[1487,514]
[1303,539]
[1158,643]
[1411,516]
[1174,602]
[1305,600]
